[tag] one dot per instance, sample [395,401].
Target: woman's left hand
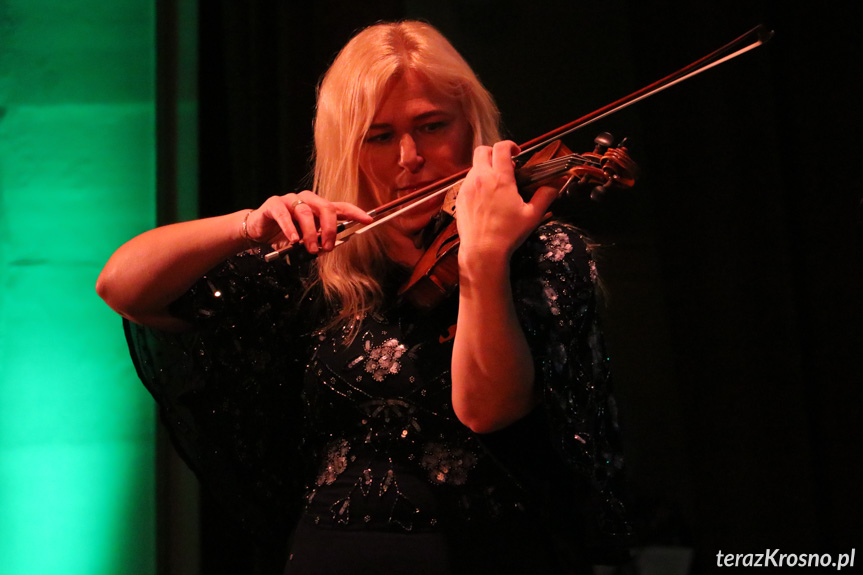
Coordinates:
[493,219]
[492,366]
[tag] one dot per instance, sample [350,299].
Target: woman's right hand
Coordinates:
[284,220]
[150,271]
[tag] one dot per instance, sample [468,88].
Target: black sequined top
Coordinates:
[280,419]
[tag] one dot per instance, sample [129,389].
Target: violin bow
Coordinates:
[752,39]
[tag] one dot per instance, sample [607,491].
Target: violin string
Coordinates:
[553,168]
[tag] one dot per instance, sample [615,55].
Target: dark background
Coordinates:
[733,285]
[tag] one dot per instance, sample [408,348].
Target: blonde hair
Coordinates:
[348,97]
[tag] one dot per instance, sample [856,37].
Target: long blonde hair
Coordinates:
[348,97]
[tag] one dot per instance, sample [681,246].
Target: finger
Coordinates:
[304,214]
[327,221]
[502,156]
[348,211]
[278,241]
[275,209]
[541,200]
[482,156]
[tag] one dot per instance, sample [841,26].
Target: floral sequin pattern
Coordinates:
[382,360]
[447,465]
[557,245]
[335,463]
[551,297]
[389,419]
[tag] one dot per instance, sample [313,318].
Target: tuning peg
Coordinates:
[597,194]
[603,141]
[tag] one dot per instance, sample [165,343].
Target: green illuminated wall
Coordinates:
[77,165]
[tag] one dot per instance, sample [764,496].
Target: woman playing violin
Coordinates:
[475,437]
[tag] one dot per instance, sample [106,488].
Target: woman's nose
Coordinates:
[408,157]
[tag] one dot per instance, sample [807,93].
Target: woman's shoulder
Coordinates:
[555,247]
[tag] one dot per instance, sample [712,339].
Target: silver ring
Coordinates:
[296,203]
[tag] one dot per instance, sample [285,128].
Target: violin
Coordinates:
[587,179]
[541,160]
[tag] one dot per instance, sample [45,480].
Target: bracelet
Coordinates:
[246,235]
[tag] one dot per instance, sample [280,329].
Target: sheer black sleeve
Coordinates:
[229,390]
[575,477]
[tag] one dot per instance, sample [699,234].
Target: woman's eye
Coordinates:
[433,127]
[379,138]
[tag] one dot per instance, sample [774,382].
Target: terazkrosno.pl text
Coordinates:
[775,558]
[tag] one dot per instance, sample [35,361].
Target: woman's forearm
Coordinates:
[149,272]
[492,366]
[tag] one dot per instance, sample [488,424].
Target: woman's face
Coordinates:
[417,137]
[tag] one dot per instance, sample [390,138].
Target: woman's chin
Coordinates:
[413,224]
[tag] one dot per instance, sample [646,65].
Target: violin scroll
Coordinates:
[619,168]
[583,180]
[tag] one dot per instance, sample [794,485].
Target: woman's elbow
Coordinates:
[481,417]
[110,287]
[103,287]
[479,424]
[107,288]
